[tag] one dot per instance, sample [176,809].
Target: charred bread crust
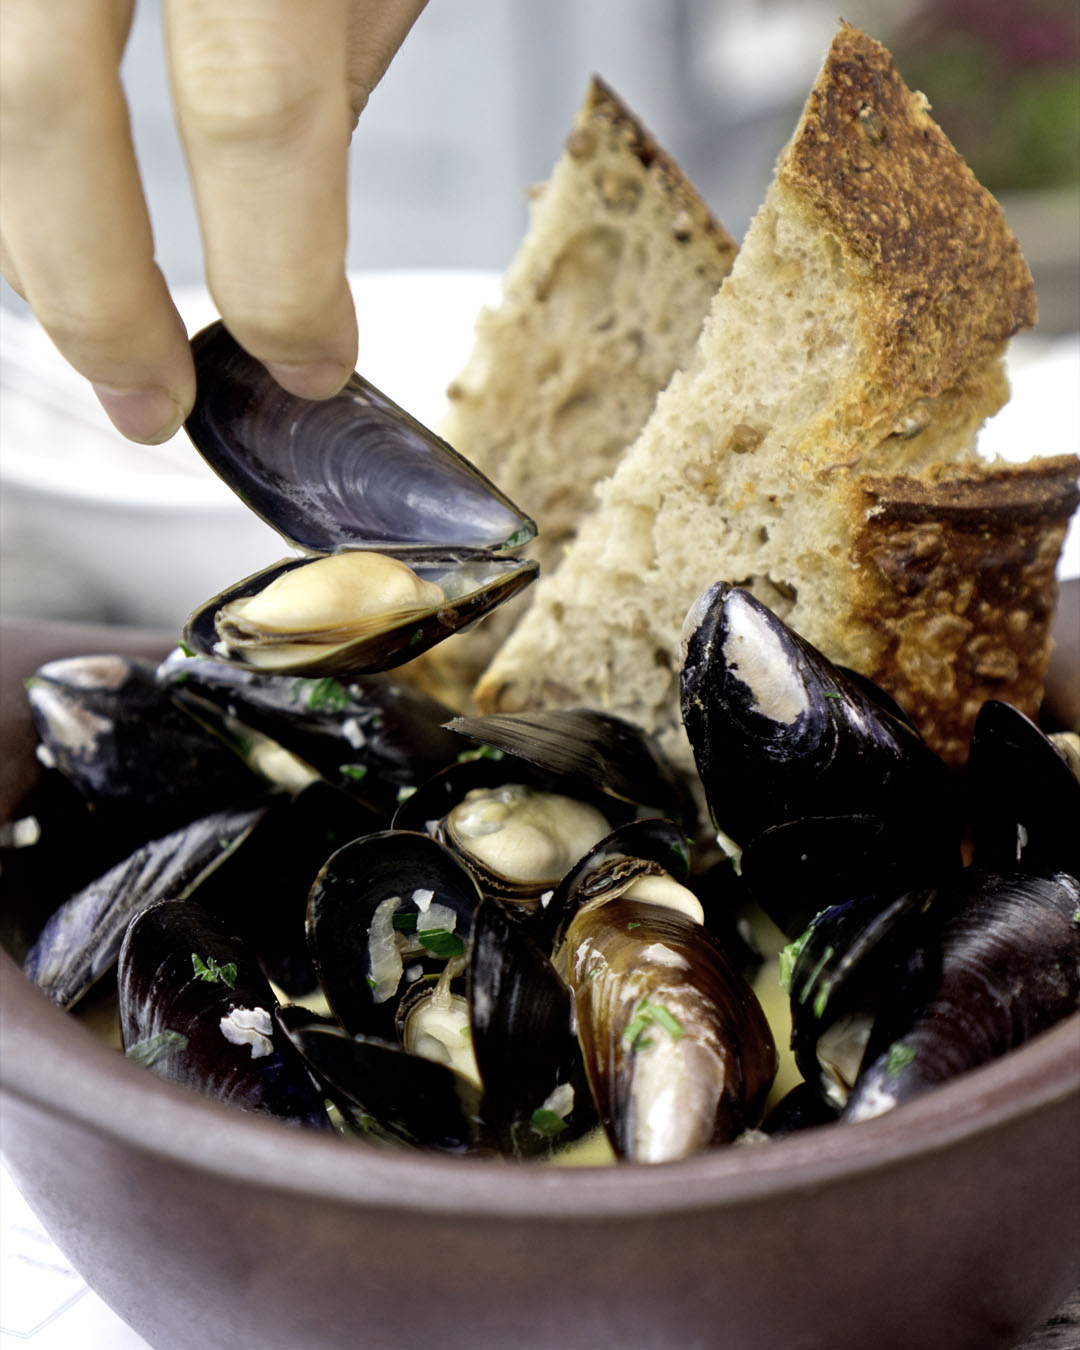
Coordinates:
[946,283]
[955,573]
[605,117]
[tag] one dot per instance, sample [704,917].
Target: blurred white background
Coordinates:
[473,110]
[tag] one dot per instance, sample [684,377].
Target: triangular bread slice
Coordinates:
[860,332]
[602,302]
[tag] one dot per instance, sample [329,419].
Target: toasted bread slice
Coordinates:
[602,302]
[860,332]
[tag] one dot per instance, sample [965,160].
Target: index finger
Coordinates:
[262,105]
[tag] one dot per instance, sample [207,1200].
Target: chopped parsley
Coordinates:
[405,923]
[634,923]
[441,942]
[188,651]
[211,972]
[417,636]
[650,1014]
[354,772]
[404,793]
[518,538]
[156,1047]
[789,958]
[900,1056]
[832,693]
[327,693]
[480,752]
[547,1123]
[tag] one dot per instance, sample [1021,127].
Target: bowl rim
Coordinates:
[52,1063]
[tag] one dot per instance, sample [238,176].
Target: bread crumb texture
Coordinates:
[860,333]
[604,299]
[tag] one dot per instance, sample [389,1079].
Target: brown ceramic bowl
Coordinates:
[951,1222]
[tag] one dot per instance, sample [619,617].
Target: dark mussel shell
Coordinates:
[677,1048]
[352,472]
[1006,956]
[196,1009]
[352,927]
[521,1013]
[128,748]
[780,734]
[1025,795]
[388,1094]
[261,888]
[853,957]
[374,737]
[82,939]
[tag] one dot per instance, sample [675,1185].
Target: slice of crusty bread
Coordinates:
[602,302]
[860,332]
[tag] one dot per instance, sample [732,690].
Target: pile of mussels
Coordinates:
[516,928]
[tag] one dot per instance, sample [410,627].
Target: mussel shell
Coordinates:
[779,733]
[473,587]
[623,959]
[373,737]
[1025,796]
[853,957]
[797,869]
[1007,967]
[261,888]
[126,745]
[595,749]
[82,939]
[342,904]
[638,848]
[186,986]
[387,1093]
[521,1014]
[352,471]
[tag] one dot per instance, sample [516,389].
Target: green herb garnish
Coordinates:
[440,942]
[212,972]
[634,923]
[156,1047]
[481,752]
[354,772]
[650,1014]
[900,1056]
[405,923]
[832,693]
[789,958]
[547,1123]
[327,693]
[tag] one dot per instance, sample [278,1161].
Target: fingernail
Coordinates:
[317,379]
[148,415]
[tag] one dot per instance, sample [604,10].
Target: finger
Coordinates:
[75,224]
[262,106]
[376,29]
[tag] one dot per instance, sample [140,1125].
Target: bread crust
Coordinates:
[955,573]
[947,283]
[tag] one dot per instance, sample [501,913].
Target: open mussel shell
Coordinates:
[853,956]
[384,912]
[196,1009]
[1025,795]
[1006,958]
[780,734]
[374,737]
[517,827]
[468,590]
[678,1050]
[353,474]
[352,471]
[592,748]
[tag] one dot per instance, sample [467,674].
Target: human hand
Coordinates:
[266,95]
